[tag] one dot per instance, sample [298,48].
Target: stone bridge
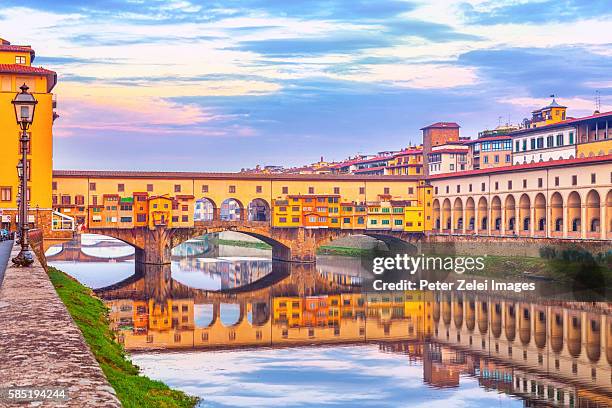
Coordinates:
[154,246]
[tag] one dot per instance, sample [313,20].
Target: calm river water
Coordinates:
[232,327]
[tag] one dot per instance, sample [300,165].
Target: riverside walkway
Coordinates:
[41,346]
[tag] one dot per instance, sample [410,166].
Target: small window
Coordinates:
[574,180]
[557,181]
[149,187]
[482,187]
[470,188]
[540,182]
[410,190]
[387,190]
[54,185]
[121,187]
[593,178]
[362,189]
[458,188]
[205,188]
[5,193]
[92,186]
[509,184]
[285,190]
[524,183]
[336,190]
[258,189]
[496,185]
[177,188]
[232,189]
[20,60]
[310,190]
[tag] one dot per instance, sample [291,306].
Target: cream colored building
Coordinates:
[569,199]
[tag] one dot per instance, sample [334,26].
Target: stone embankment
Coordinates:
[40,345]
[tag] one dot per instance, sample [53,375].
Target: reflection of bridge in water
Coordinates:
[548,350]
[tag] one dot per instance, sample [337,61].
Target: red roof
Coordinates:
[369,169]
[442,125]
[25,69]
[527,166]
[561,124]
[16,48]
[488,139]
[458,151]
[406,152]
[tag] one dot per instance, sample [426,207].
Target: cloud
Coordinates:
[535,12]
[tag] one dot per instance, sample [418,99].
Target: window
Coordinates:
[92,186]
[285,190]
[509,184]
[447,190]
[54,185]
[185,218]
[258,189]
[482,187]
[120,187]
[560,139]
[557,181]
[336,190]
[540,182]
[550,141]
[485,159]
[177,188]
[593,178]
[399,222]
[470,188]
[496,158]
[149,187]
[524,183]
[20,60]
[5,193]
[458,188]
[524,144]
[185,208]
[141,217]
[361,190]
[574,180]
[508,158]
[387,190]
[496,185]
[436,188]
[295,219]
[310,190]
[65,200]
[410,190]
[232,189]
[452,167]
[517,146]
[79,200]
[385,222]
[540,142]
[282,219]
[94,200]
[571,138]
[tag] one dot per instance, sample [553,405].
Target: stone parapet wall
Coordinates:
[41,346]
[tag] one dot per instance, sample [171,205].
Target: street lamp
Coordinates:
[25,105]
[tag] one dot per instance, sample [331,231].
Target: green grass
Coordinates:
[90,315]
[245,244]
[344,251]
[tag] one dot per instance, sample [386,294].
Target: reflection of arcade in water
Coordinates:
[547,353]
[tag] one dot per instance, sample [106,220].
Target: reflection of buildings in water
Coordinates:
[554,353]
[233,272]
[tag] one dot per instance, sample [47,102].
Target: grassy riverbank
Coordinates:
[244,244]
[90,314]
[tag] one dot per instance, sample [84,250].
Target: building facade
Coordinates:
[15,70]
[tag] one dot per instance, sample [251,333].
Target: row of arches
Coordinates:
[524,215]
[231,209]
[573,331]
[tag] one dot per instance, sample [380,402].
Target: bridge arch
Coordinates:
[470,220]
[205,209]
[458,215]
[525,220]
[232,210]
[540,214]
[574,216]
[593,215]
[556,211]
[259,210]
[436,215]
[496,215]
[446,215]
[510,214]
[483,215]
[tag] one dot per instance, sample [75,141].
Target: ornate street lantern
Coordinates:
[25,106]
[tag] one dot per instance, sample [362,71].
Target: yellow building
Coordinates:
[288,310]
[406,162]
[548,115]
[596,148]
[16,70]
[160,211]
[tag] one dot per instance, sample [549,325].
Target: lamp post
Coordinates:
[25,105]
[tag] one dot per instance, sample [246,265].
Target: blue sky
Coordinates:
[222,85]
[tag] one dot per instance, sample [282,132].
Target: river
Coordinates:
[235,328]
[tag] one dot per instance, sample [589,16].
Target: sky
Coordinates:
[225,85]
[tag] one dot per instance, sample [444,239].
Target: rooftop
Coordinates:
[442,125]
[25,69]
[527,166]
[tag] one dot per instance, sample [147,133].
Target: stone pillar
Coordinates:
[603,215]
[452,226]
[489,216]
[532,221]
[156,245]
[476,220]
[564,217]
[465,220]
[517,221]
[583,221]
[503,220]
